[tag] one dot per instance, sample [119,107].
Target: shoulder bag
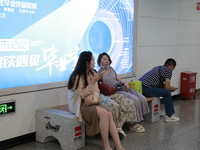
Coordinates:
[106,89]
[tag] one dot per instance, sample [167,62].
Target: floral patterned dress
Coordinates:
[122,108]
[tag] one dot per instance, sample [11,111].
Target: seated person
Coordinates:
[110,76]
[151,82]
[82,91]
[123,110]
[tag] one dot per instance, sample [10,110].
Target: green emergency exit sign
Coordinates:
[7,107]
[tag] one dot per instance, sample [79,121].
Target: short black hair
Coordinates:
[170,61]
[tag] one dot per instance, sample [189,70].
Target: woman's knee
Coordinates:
[110,115]
[102,112]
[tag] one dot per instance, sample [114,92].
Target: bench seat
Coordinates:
[58,123]
[154,107]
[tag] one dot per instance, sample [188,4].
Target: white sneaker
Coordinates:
[171,119]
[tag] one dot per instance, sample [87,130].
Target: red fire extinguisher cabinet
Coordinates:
[188,84]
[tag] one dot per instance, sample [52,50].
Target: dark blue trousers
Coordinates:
[160,92]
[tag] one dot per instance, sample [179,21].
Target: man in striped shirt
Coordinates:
[152,86]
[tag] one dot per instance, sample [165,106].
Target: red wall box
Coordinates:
[198,5]
[188,84]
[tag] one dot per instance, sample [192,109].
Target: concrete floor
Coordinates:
[183,135]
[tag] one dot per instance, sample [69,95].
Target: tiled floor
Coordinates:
[183,135]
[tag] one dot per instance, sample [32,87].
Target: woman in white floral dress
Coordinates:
[123,110]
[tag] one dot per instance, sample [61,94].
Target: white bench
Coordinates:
[154,107]
[58,123]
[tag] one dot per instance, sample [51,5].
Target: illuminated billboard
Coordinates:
[41,40]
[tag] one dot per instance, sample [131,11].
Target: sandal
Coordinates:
[107,148]
[118,148]
[137,128]
[121,133]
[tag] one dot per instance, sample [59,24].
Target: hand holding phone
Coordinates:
[101,72]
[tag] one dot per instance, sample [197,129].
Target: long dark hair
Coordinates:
[100,57]
[80,70]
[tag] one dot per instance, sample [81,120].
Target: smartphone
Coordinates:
[102,72]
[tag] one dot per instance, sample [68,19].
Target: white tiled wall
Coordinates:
[189,32]
[157,32]
[168,29]
[159,8]
[188,10]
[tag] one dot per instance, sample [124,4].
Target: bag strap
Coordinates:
[161,80]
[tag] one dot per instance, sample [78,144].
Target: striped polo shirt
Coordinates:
[152,77]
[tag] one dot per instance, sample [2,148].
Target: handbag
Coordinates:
[106,89]
[120,86]
[136,85]
[95,102]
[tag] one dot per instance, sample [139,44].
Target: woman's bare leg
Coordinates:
[104,125]
[114,132]
[121,123]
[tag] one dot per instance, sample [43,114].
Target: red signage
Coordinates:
[78,131]
[198,5]
[155,108]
